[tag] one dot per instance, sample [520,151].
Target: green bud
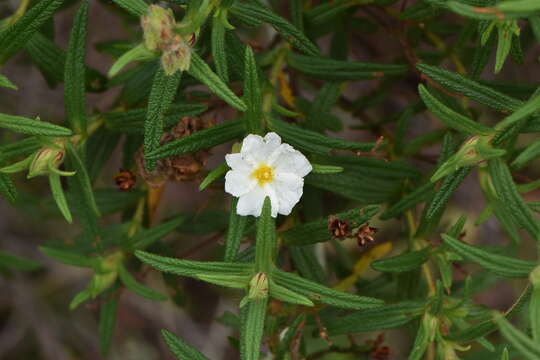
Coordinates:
[534,277]
[177,56]
[101,282]
[157,26]
[50,156]
[474,151]
[258,286]
[110,263]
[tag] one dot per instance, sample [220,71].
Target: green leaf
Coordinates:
[28,126]
[74,72]
[519,6]
[326,169]
[506,190]
[504,45]
[319,117]
[252,95]
[402,263]
[288,295]
[471,89]
[107,321]
[424,336]
[213,176]
[307,264]
[202,139]
[320,293]
[530,153]
[202,72]
[451,118]
[83,180]
[317,231]
[134,7]
[70,258]
[525,345]
[530,107]
[266,244]
[138,288]
[180,348]
[147,237]
[419,195]
[498,264]
[163,91]
[193,268]
[219,53]
[7,188]
[339,70]
[138,53]
[313,141]
[235,233]
[58,195]
[4,82]
[14,37]
[13,262]
[132,121]
[390,316]
[256,11]
[534,313]
[252,329]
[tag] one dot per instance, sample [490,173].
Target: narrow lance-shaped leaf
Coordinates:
[386,317]
[498,264]
[14,37]
[107,321]
[74,72]
[147,237]
[70,258]
[319,293]
[530,153]
[83,180]
[163,91]
[202,72]
[218,48]
[256,11]
[134,7]
[265,250]
[507,192]
[58,195]
[252,329]
[138,288]
[28,126]
[202,139]
[518,339]
[180,348]
[14,262]
[4,82]
[213,176]
[402,263]
[235,233]
[193,268]
[532,106]
[252,94]
[451,118]
[7,188]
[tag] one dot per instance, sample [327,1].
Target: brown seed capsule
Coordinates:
[338,228]
[125,180]
[366,234]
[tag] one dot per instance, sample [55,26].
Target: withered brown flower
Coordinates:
[338,228]
[125,180]
[366,234]
[181,168]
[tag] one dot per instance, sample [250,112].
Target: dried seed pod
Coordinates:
[181,168]
[365,234]
[338,228]
[125,180]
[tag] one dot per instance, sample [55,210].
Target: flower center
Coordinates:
[264,174]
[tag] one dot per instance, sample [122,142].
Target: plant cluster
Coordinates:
[326,237]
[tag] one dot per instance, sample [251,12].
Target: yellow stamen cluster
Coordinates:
[264,174]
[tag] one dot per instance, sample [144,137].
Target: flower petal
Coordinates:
[256,150]
[286,159]
[251,203]
[238,183]
[237,162]
[288,189]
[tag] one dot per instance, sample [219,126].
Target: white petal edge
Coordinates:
[237,162]
[287,159]
[251,203]
[238,183]
[288,189]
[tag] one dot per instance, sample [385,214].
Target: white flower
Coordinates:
[266,167]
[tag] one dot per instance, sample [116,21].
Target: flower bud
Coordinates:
[157,26]
[46,157]
[177,56]
[258,286]
[534,277]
